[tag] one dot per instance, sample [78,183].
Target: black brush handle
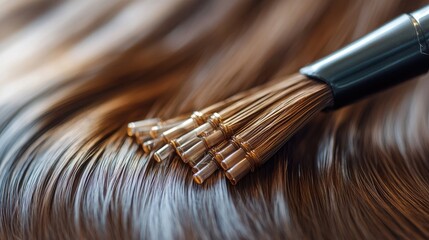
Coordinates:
[391,54]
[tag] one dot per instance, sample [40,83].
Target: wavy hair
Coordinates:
[73,74]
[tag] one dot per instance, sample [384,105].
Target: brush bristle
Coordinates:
[242,132]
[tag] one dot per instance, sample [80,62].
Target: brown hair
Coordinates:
[72,75]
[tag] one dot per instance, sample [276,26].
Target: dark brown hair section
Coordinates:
[73,74]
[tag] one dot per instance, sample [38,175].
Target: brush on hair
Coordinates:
[241,133]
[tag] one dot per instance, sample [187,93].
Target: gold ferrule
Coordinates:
[251,154]
[233,159]
[213,138]
[226,130]
[253,159]
[202,163]
[147,146]
[199,131]
[238,171]
[203,130]
[212,151]
[131,127]
[220,155]
[182,139]
[152,145]
[198,117]
[142,133]
[243,144]
[205,172]
[179,130]
[186,146]
[195,152]
[215,119]
[161,127]
[164,153]
[209,155]
[134,127]
[155,131]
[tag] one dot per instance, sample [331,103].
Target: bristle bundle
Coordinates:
[239,134]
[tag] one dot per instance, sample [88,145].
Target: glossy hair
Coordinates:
[73,74]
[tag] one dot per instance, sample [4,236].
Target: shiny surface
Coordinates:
[421,16]
[385,57]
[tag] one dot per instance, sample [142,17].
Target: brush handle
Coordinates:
[391,54]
